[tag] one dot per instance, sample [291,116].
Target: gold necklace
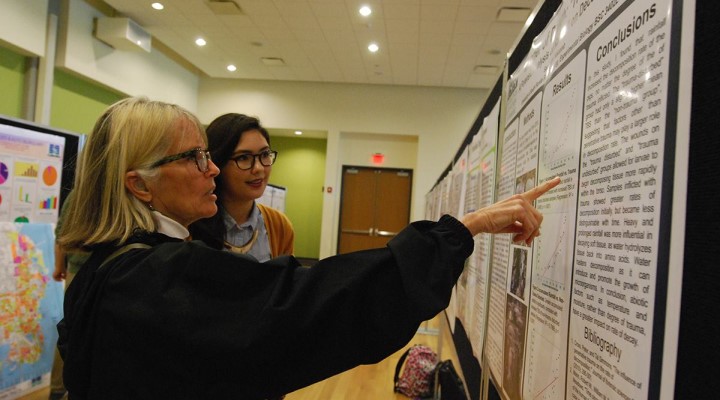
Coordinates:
[244,248]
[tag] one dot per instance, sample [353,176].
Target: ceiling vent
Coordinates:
[123,34]
[273,61]
[485,69]
[513,14]
[224,7]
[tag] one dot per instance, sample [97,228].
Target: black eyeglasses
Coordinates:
[201,157]
[247,161]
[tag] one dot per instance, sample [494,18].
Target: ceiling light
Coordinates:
[158,6]
[365,11]
[200,42]
[231,68]
[298,133]
[373,47]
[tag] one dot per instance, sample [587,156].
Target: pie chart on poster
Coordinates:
[3,173]
[50,175]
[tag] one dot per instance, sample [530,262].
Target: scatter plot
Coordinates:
[562,119]
[544,362]
[554,252]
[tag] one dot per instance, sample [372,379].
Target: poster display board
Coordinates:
[580,313]
[37,167]
[274,196]
[596,86]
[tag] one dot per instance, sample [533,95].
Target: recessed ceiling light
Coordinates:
[231,68]
[158,6]
[373,47]
[365,11]
[200,42]
[298,133]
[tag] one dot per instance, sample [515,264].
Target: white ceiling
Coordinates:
[441,43]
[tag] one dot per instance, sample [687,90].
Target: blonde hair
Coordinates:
[129,136]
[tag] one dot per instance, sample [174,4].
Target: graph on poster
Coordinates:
[544,365]
[3,173]
[50,175]
[26,170]
[554,252]
[561,126]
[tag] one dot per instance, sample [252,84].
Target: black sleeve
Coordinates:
[286,326]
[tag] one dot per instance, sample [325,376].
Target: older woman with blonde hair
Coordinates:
[152,315]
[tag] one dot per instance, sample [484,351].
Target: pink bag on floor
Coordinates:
[418,366]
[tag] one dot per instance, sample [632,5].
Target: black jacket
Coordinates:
[181,320]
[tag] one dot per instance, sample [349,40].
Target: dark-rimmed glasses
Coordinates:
[201,157]
[247,161]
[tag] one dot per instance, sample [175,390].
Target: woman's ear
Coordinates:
[136,185]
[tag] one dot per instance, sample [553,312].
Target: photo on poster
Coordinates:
[514,347]
[525,182]
[519,283]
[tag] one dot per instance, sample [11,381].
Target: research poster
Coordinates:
[485,196]
[30,175]
[572,315]
[471,290]
[463,193]
[497,292]
[617,243]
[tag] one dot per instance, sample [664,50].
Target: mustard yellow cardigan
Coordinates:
[279,229]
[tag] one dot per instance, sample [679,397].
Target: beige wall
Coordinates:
[23,24]
[136,73]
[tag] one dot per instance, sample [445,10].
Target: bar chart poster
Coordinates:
[30,171]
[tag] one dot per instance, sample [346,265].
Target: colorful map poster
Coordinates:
[30,307]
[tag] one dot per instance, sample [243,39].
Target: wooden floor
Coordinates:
[376,381]
[366,381]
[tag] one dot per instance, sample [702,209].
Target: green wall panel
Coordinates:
[12,82]
[77,103]
[300,168]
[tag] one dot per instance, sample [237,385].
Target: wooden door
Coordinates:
[374,207]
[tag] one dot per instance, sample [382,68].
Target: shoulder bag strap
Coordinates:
[399,366]
[123,250]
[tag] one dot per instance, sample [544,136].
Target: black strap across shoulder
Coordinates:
[123,250]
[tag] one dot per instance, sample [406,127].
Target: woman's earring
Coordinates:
[150,206]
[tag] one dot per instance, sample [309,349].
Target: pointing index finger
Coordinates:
[539,190]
